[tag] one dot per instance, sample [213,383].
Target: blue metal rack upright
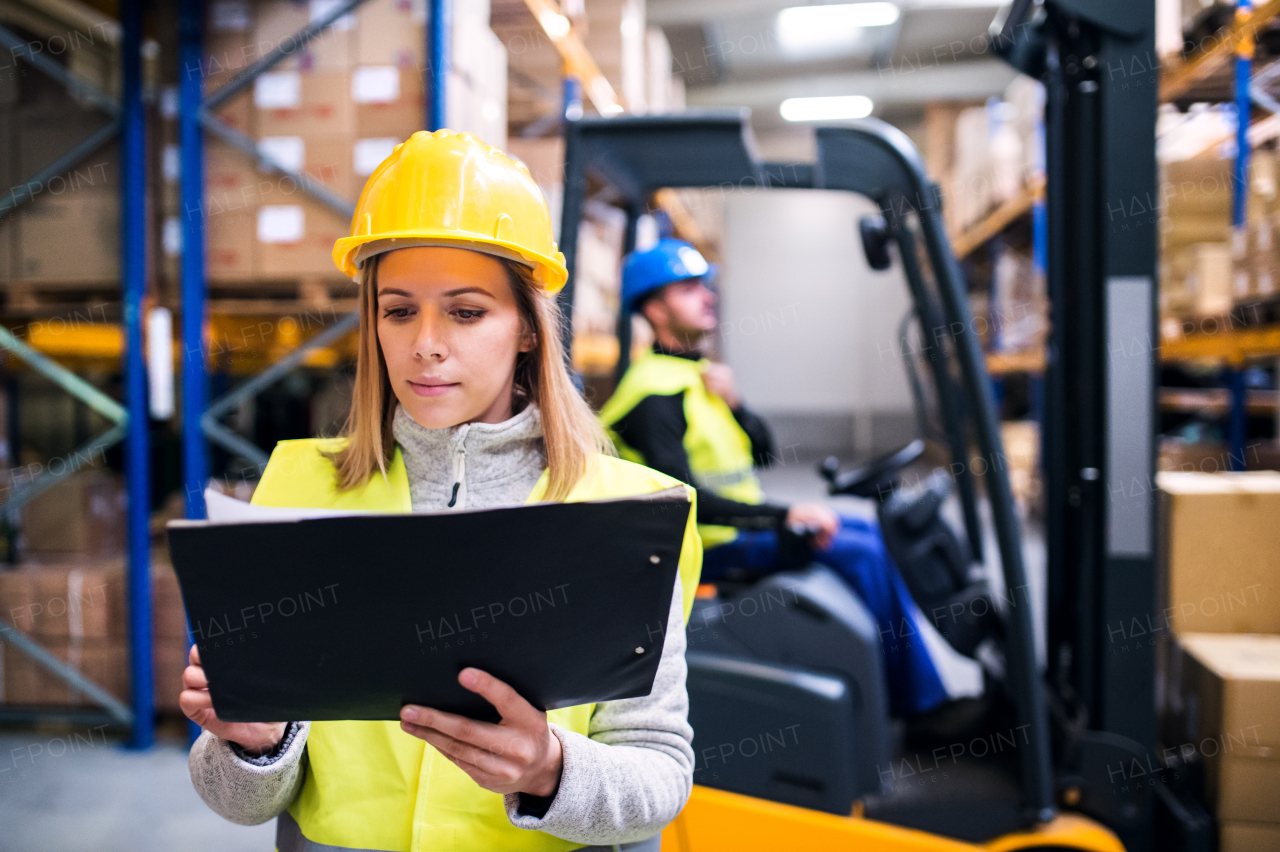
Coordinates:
[1239,221]
[439,59]
[133,275]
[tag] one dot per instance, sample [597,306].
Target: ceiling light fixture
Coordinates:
[821,28]
[835,108]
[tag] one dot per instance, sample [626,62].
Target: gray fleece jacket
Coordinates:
[620,784]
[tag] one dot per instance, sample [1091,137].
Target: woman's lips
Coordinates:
[432,388]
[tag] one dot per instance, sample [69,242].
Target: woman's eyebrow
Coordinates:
[393,291]
[461,290]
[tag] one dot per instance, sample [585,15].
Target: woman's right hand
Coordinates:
[255,738]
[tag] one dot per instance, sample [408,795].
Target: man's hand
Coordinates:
[815,519]
[718,379]
[518,755]
[256,738]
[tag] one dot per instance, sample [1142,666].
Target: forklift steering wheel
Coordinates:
[874,480]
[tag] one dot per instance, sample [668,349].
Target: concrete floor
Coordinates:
[95,795]
[61,793]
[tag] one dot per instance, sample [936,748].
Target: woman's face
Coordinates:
[450,331]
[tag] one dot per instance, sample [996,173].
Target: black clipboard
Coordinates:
[353,617]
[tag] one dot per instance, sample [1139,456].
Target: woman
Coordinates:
[461,400]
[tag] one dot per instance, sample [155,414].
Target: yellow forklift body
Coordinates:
[719,821]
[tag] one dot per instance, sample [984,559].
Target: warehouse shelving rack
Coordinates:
[200,420]
[1231,346]
[131,420]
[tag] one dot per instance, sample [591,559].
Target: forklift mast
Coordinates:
[1096,58]
[1097,61]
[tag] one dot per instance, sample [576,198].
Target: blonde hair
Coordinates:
[571,433]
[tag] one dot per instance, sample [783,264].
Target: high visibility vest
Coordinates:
[369,785]
[719,450]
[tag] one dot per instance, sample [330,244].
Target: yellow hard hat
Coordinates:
[451,189]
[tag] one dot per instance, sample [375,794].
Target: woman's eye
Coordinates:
[396,313]
[465,314]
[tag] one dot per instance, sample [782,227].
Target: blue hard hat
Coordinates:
[670,260]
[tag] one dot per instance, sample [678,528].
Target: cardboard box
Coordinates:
[1211,280]
[398,116]
[1221,551]
[1021,440]
[168,616]
[65,601]
[232,182]
[277,21]
[544,157]
[297,238]
[82,514]
[69,239]
[1199,186]
[390,32]
[231,247]
[45,133]
[1248,837]
[329,160]
[1224,709]
[103,661]
[169,657]
[290,103]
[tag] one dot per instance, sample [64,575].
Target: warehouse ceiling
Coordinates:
[744,52]
[900,54]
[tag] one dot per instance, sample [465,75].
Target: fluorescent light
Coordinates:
[554,24]
[820,28]
[826,109]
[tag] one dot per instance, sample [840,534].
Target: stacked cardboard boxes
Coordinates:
[1197,254]
[70,597]
[1206,266]
[77,609]
[1220,554]
[1227,713]
[1256,252]
[331,111]
[83,202]
[1221,551]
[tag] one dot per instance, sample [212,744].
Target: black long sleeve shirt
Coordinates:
[655,428]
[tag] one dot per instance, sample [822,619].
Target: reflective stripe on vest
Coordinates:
[719,450]
[369,785]
[289,838]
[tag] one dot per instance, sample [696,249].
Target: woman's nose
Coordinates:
[430,342]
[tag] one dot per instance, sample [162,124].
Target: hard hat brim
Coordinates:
[549,272]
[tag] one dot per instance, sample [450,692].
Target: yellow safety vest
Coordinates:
[719,450]
[369,785]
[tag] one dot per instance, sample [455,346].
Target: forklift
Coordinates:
[794,741]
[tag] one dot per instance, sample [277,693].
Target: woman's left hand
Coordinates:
[518,755]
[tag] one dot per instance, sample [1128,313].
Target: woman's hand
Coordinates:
[518,755]
[815,519]
[256,738]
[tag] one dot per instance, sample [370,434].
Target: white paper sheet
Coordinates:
[223,509]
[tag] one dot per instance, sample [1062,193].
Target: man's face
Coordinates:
[685,309]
